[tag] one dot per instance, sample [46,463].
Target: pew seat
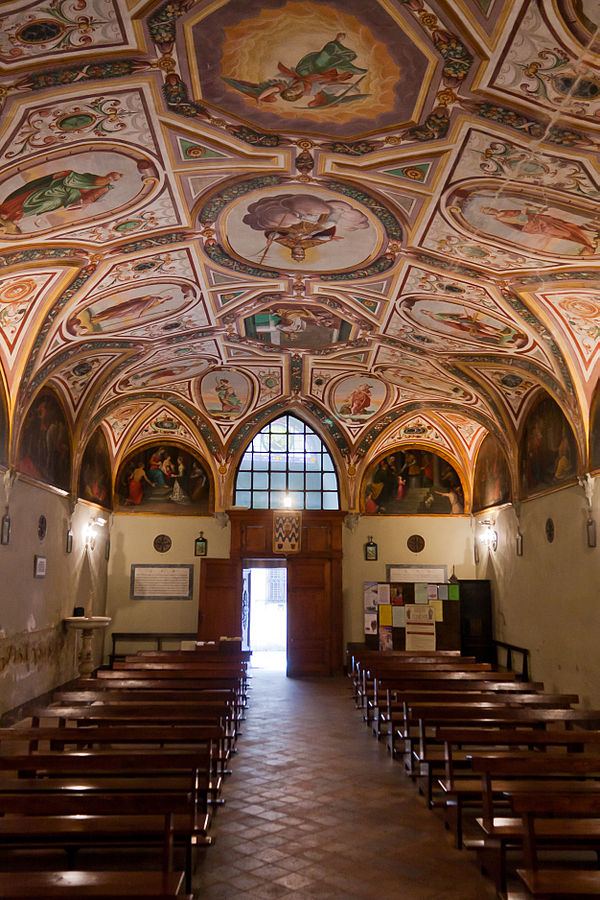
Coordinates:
[81,885]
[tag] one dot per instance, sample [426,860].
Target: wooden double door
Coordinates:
[314,586]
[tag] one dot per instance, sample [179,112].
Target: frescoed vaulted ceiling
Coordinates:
[214,212]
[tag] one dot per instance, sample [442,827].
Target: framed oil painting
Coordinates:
[547,452]
[412,481]
[165,479]
[491,485]
[95,473]
[45,442]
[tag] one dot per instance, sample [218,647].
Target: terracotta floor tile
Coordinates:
[315,808]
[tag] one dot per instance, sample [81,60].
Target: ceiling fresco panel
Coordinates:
[383,215]
[38,31]
[334,68]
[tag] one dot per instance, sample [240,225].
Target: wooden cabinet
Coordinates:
[476,632]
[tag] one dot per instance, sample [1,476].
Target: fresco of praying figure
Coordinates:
[63,190]
[327,76]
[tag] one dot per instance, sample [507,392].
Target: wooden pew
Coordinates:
[371,674]
[469,685]
[575,821]
[431,750]
[111,819]
[356,659]
[428,755]
[117,696]
[395,691]
[196,736]
[80,885]
[530,771]
[459,792]
[151,682]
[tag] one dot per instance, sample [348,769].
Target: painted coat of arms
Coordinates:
[287,530]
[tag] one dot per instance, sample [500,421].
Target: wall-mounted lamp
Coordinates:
[69,542]
[490,535]
[90,531]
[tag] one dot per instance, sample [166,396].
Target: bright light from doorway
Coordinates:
[268,618]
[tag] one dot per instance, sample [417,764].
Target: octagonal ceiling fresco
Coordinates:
[380,215]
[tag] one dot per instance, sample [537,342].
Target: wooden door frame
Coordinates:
[251,538]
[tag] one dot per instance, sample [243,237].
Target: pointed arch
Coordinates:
[287,459]
[95,475]
[164,476]
[548,456]
[594,451]
[413,479]
[491,478]
[44,449]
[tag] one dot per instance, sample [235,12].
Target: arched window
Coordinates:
[287,464]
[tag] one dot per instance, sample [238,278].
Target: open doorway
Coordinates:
[264,613]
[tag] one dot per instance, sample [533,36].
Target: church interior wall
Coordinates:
[36,651]
[547,599]
[132,540]
[448,541]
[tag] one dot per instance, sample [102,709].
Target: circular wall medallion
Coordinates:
[41,529]
[162,543]
[549,530]
[415,543]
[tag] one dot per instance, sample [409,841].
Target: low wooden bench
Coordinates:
[115,736]
[427,755]
[111,819]
[370,674]
[158,639]
[80,885]
[459,792]
[575,821]
[531,771]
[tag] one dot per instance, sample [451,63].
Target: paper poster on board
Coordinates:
[420,627]
[370,623]
[370,595]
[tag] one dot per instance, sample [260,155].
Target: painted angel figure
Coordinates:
[325,75]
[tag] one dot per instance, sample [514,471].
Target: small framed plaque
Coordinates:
[39,566]
[370,549]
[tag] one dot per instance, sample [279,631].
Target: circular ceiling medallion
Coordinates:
[41,529]
[304,230]
[549,530]
[415,543]
[162,543]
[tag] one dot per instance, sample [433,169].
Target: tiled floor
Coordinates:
[315,808]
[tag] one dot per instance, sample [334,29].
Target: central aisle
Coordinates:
[315,808]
